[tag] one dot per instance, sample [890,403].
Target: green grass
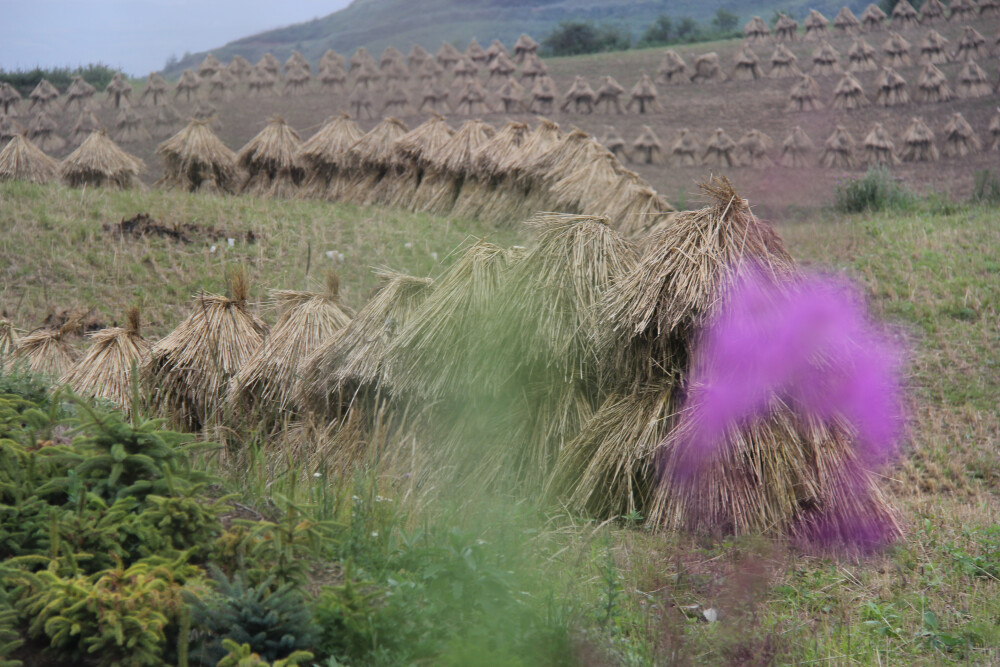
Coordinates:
[57,254]
[610,594]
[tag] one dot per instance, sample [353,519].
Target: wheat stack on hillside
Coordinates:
[532,69]
[355,360]
[648,147]
[826,60]
[752,149]
[411,156]
[48,352]
[989,8]
[99,162]
[79,95]
[707,69]
[747,67]
[8,340]
[962,10]
[615,143]
[361,102]
[9,128]
[932,86]
[845,22]
[107,368]
[21,160]
[239,67]
[973,82]
[686,149]
[209,67]
[904,16]
[720,149]
[643,96]
[496,50]
[756,31]
[873,19]
[848,94]
[269,380]
[448,56]
[359,59]
[796,150]
[786,29]
[297,80]
[579,191]
[221,85]
[543,95]
[580,96]
[417,57]
[187,373]
[260,83]
[268,63]
[332,78]
[325,158]
[918,143]
[959,137]
[166,119]
[9,97]
[896,51]
[608,95]
[783,63]
[85,123]
[891,89]
[879,147]
[297,62]
[155,90]
[672,69]
[861,57]
[43,96]
[804,95]
[934,49]
[501,68]
[838,150]
[472,99]
[195,159]
[187,85]
[367,76]
[43,132]
[995,131]
[815,25]
[270,161]
[971,45]
[932,11]
[524,47]
[129,127]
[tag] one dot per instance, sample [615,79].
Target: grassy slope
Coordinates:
[376,24]
[933,274]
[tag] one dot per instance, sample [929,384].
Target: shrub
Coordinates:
[877,190]
[986,187]
[97,74]
[572,38]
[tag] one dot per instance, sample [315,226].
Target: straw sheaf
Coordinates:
[8,339]
[308,320]
[456,155]
[777,473]
[576,192]
[545,135]
[423,141]
[189,371]
[678,283]
[21,160]
[375,150]
[609,468]
[356,358]
[98,161]
[507,143]
[564,156]
[438,353]
[48,351]
[272,150]
[846,21]
[106,368]
[195,156]
[549,315]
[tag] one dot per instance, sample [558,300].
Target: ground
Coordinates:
[930,274]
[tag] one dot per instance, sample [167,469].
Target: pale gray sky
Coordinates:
[136,35]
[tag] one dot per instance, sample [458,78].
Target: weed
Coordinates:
[876,191]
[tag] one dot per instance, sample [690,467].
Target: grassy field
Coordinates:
[579,591]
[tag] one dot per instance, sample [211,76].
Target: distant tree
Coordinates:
[172,61]
[660,31]
[571,38]
[724,21]
[687,30]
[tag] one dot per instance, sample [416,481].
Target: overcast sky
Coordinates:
[136,35]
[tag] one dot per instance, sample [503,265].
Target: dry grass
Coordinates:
[100,162]
[21,160]
[195,159]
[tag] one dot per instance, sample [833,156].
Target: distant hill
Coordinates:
[376,24]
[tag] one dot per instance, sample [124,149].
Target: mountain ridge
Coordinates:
[376,24]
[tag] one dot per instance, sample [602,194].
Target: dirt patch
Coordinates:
[142,225]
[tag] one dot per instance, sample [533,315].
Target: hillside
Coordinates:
[376,24]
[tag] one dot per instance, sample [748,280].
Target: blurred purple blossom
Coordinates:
[808,344]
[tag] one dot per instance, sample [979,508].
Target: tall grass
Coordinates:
[876,191]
